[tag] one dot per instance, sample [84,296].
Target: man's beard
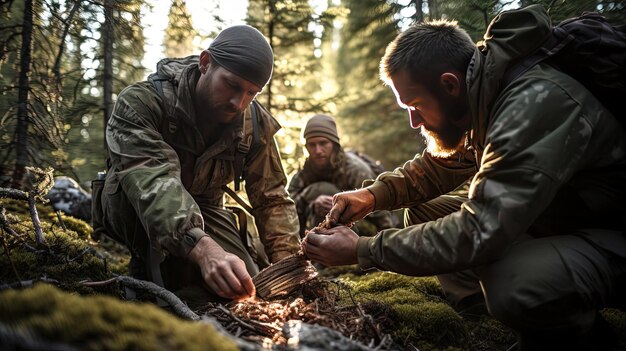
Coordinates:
[445,143]
[219,113]
[449,139]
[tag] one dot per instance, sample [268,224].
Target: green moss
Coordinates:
[383,282]
[103,323]
[421,317]
[82,229]
[617,320]
[69,256]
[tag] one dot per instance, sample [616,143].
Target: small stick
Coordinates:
[41,241]
[60,218]
[235,318]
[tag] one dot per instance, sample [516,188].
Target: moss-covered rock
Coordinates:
[102,322]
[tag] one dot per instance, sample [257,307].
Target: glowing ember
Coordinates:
[262,321]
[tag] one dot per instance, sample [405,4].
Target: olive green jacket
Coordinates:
[169,182]
[549,160]
[349,174]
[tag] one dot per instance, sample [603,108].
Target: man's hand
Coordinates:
[332,247]
[223,272]
[350,206]
[322,204]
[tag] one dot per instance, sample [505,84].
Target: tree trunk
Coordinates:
[419,11]
[21,158]
[433,9]
[108,29]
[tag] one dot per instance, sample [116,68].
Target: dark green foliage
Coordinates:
[65,81]
[367,112]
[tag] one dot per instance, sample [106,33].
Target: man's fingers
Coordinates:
[244,280]
[313,239]
[308,244]
[234,285]
[311,247]
[335,212]
[220,286]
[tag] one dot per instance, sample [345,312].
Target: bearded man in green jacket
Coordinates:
[173,142]
[542,230]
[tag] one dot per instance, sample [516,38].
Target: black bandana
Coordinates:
[243,50]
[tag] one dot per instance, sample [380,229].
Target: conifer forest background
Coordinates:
[63,62]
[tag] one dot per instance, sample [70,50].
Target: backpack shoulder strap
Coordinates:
[242,149]
[169,122]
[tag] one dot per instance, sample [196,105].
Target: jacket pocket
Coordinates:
[97,212]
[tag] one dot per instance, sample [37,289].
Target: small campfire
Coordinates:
[291,290]
[262,321]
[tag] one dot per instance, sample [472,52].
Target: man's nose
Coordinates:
[237,101]
[415,118]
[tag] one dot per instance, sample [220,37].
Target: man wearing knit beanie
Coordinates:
[328,170]
[321,126]
[176,141]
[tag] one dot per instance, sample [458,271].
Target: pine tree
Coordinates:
[180,33]
[290,27]
[65,81]
[368,114]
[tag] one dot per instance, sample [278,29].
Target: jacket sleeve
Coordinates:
[274,211]
[540,136]
[357,177]
[148,171]
[421,179]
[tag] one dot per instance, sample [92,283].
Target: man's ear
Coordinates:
[205,60]
[451,83]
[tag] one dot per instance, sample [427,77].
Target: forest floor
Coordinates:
[69,293]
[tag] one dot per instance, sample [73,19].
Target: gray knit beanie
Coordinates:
[321,126]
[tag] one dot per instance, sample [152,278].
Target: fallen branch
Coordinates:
[15,194]
[27,283]
[176,305]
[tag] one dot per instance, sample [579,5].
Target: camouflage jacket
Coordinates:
[348,175]
[549,159]
[168,184]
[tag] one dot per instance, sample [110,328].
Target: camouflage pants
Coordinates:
[543,287]
[178,273]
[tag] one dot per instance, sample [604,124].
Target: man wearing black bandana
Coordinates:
[172,143]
